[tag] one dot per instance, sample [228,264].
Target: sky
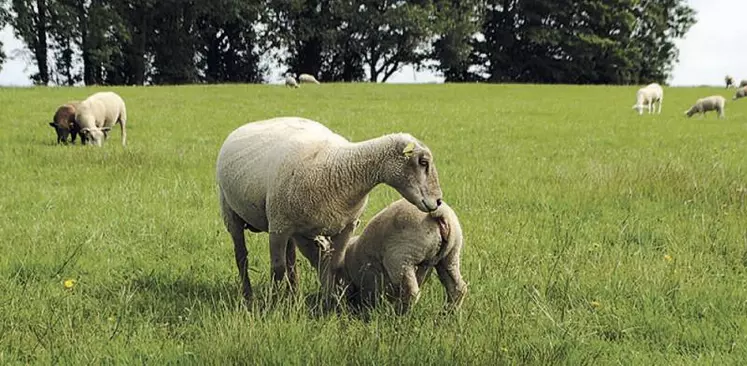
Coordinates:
[714,46]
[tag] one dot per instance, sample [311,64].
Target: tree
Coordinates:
[228,45]
[30,24]
[389,34]
[3,21]
[454,45]
[583,41]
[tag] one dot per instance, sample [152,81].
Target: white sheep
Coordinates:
[647,96]
[306,78]
[743,83]
[296,179]
[729,81]
[398,250]
[291,82]
[712,103]
[97,114]
[741,93]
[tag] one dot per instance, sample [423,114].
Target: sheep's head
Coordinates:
[95,136]
[415,176]
[62,133]
[691,111]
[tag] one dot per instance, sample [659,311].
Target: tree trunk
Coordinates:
[88,78]
[40,51]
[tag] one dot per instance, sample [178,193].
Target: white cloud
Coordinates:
[714,47]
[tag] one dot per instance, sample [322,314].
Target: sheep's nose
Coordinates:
[438,202]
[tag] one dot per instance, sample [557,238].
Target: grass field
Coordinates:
[593,235]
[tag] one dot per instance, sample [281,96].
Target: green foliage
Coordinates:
[189,41]
[593,235]
[581,41]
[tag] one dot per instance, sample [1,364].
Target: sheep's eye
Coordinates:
[423,162]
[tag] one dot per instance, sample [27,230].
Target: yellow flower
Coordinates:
[504,349]
[69,284]
[667,257]
[595,304]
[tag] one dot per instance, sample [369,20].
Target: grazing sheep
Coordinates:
[743,83]
[397,251]
[64,124]
[306,78]
[712,103]
[741,93]
[649,95]
[296,179]
[291,82]
[98,113]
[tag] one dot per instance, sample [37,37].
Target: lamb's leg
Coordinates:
[661,100]
[451,278]
[332,264]
[409,291]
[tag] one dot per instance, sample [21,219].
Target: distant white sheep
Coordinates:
[97,114]
[306,78]
[647,96]
[741,93]
[397,251]
[743,83]
[712,103]
[291,82]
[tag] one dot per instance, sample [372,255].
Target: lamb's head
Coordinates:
[62,133]
[95,135]
[413,173]
[691,111]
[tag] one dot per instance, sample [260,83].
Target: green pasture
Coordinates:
[593,235]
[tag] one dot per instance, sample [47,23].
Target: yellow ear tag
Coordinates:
[409,149]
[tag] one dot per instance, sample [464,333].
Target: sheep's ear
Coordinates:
[53,124]
[408,150]
[105,129]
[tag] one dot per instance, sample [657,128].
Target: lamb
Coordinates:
[295,179]
[741,93]
[306,78]
[98,113]
[649,95]
[291,82]
[729,81]
[398,250]
[64,124]
[703,105]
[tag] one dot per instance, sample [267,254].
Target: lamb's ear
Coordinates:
[408,150]
[53,124]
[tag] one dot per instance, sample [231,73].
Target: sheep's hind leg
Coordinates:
[290,263]
[278,261]
[451,279]
[409,291]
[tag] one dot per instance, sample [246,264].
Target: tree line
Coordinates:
[136,42]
